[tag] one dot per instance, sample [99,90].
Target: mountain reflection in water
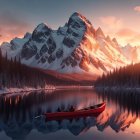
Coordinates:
[17,112]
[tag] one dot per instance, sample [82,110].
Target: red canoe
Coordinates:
[90,111]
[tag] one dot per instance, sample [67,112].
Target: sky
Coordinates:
[117,18]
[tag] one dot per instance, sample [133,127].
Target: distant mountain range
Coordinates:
[75,48]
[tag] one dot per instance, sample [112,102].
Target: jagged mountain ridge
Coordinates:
[74,48]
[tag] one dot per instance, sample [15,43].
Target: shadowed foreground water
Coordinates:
[120,120]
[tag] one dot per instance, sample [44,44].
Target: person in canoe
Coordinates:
[72,109]
[58,109]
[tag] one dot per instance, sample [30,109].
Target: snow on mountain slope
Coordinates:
[74,48]
[13,48]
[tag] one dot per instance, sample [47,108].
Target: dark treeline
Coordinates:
[128,76]
[16,75]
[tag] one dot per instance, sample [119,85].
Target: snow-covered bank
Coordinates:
[26,89]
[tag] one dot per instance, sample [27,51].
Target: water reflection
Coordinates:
[17,112]
[124,100]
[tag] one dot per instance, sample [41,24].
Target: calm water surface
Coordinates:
[120,120]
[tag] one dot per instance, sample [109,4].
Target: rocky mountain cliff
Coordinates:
[77,47]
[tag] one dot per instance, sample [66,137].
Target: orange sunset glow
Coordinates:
[122,24]
[111,26]
[69,69]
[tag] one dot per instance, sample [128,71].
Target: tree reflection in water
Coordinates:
[17,112]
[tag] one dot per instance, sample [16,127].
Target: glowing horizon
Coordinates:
[119,19]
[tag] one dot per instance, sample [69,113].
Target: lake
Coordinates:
[120,120]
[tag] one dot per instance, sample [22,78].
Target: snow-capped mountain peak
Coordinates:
[99,33]
[115,41]
[77,17]
[74,48]
[27,35]
[108,39]
[42,27]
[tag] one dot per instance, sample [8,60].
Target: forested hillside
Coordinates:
[128,76]
[16,75]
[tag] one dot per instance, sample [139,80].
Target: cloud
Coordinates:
[116,27]
[137,8]
[135,40]
[126,32]
[112,22]
[12,26]
[127,35]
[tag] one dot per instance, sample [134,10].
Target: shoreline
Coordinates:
[20,90]
[28,89]
[118,88]
[73,87]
